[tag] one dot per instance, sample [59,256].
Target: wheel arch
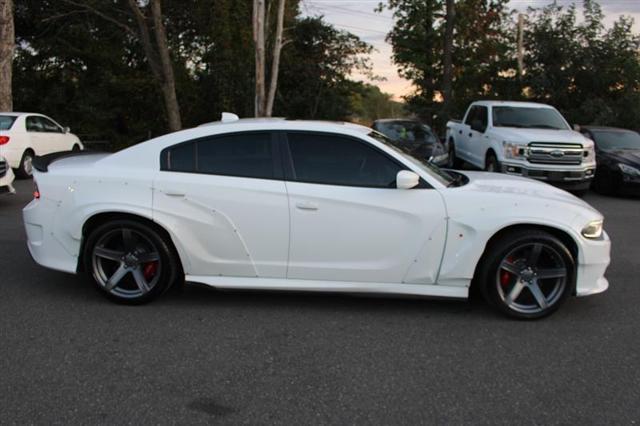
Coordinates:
[100,218]
[567,239]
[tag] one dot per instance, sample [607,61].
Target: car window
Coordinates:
[6,121]
[340,160]
[49,126]
[243,155]
[616,139]
[528,118]
[33,124]
[471,115]
[482,114]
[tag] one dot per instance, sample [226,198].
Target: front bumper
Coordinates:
[592,263]
[566,178]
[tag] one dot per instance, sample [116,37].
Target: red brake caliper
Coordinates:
[150,270]
[505,276]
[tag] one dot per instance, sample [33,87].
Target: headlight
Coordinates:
[589,154]
[593,229]
[629,170]
[514,150]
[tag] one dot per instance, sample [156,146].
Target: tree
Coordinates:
[265,96]
[148,27]
[447,72]
[7,45]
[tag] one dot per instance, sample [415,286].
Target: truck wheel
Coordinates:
[492,164]
[453,162]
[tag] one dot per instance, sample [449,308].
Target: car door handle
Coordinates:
[174,193]
[306,206]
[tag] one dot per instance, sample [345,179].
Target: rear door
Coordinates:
[224,199]
[348,220]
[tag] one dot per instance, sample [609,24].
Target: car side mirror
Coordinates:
[576,127]
[66,130]
[477,126]
[406,179]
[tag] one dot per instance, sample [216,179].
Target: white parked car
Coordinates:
[299,205]
[524,139]
[25,135]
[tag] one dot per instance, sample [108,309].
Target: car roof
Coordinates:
[396,120]
[18,114]
[283,124]
[512,104]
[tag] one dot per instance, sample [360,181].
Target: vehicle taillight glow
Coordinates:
[36,191]
[4,140]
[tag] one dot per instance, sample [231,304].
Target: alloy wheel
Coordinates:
[532,278]
[126,263]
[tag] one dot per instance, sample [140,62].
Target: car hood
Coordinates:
[514,187]
[630,157]
[541,135]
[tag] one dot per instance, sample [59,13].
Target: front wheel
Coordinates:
[527,274]
[129,261]
[492,164]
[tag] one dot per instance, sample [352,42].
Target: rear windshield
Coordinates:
[6,121]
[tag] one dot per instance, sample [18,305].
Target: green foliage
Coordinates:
[91,74]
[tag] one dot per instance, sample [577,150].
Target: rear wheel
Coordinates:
[25,169]
[527,274]
[130,262]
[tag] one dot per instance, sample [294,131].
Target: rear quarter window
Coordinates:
[6,121]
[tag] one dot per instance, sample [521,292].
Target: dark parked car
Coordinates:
[617,158]
[415,138]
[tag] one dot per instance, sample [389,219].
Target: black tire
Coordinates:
[453,162]
[491,163]
[144,242]
[605,182]
[25,169]
[497,288]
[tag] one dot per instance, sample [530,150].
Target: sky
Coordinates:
[359,17]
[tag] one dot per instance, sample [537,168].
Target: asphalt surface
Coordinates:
[67,355]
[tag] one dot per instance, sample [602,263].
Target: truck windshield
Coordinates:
[440,175]
[528,118]
[6,121]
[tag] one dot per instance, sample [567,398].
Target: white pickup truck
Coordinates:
[524,139]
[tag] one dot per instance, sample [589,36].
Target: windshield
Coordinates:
[6,121]
[407,131]
[528,117]
[440,175]
[616,139]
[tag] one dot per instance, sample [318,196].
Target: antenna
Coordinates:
[228,117]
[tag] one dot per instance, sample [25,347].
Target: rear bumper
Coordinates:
[45,248]
[593,262]
[572,179]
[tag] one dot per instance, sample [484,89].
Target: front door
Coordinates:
[349,222]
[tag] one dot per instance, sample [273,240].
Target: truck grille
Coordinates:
[555,153]
[3,168]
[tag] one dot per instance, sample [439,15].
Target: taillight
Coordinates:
[4,140]
[36,191]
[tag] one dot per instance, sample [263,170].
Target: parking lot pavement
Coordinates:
[203,356]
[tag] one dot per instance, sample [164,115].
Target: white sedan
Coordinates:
[25,135]
[299,205]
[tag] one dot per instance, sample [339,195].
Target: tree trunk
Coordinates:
[447,75]
[168,79]
[7,46]
[275,60]
[259,40]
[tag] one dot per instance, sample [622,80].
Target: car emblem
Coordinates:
[557,153]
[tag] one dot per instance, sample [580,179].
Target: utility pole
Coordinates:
[447,74]
[520,45]
[7,47]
